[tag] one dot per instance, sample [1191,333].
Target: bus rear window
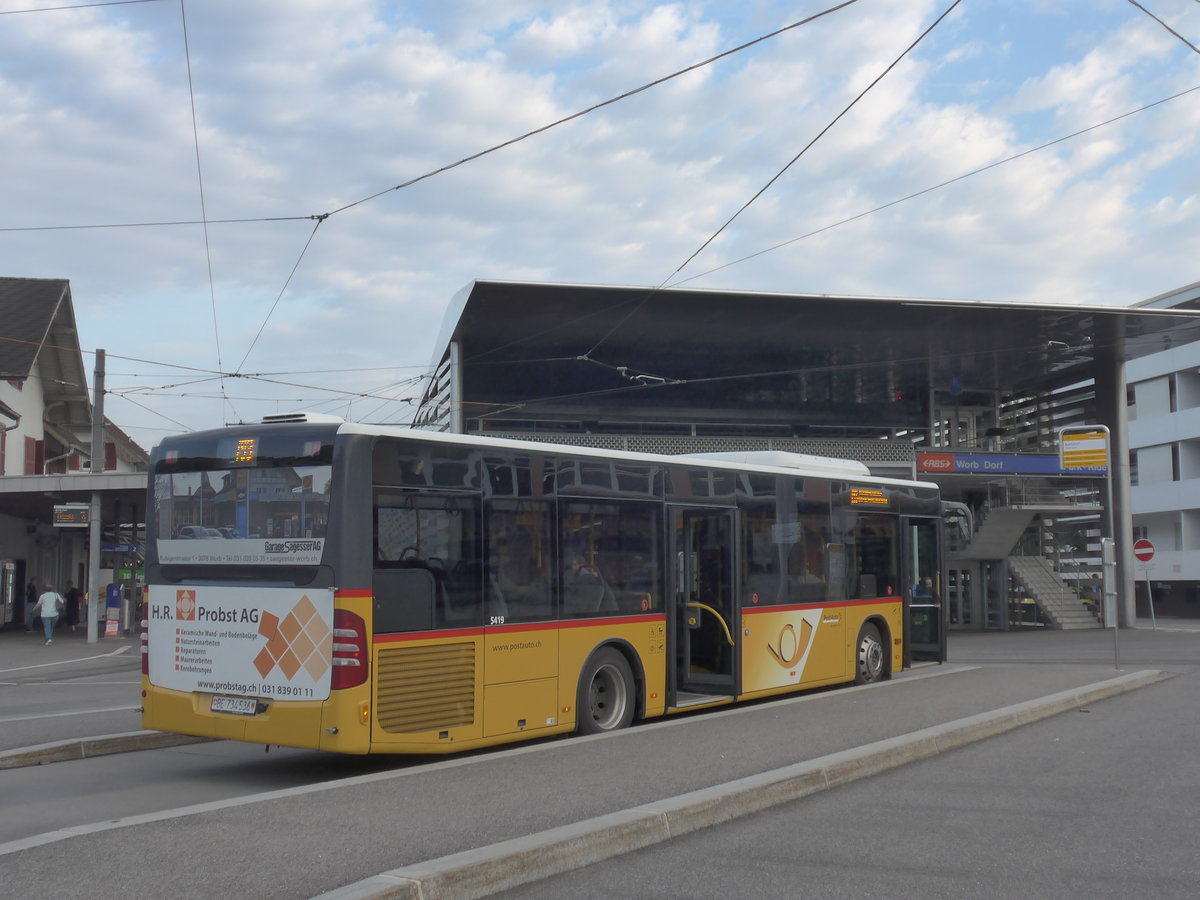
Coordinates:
[247,516]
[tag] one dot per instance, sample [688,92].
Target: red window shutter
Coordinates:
[73,462]
[3,451]
[30,456]
[40,457]
[110,457]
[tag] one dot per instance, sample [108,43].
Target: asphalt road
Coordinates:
[67,690]
[219,818]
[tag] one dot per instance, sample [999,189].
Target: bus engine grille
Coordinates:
[425,688]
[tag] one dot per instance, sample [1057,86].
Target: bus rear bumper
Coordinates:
[284,723]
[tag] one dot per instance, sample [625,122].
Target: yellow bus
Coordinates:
[320,584]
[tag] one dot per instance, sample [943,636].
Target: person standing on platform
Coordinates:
[31,599]
[74,595]
[49,605]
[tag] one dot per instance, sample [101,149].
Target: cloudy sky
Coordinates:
[286,125]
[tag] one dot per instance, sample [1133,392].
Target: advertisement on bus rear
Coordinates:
[270,643]
[261,552]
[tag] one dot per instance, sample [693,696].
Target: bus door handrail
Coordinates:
[717,615]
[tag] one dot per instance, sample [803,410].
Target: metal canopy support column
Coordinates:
[457,420]
[1112,411]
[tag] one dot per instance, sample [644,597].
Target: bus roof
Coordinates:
[773,462]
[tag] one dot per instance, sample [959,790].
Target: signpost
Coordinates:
[1144,551]
[1087,447]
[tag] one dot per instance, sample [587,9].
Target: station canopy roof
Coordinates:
[546,350]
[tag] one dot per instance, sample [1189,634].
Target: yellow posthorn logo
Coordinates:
[788,649]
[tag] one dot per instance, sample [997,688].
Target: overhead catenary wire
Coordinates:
[43,9]
[597,106]
[1192,46]
[282,291]
[391,189]
[425,373]
[460,162]
[766,187]
[322,217]
[212,291]
[935,187]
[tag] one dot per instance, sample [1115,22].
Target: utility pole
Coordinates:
[95,593]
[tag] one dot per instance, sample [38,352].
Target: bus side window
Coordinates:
[404,600]
[518,583]
[866,585]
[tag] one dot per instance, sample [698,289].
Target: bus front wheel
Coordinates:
[870,663]
[605,701]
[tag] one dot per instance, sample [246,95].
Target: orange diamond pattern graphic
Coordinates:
[295,642]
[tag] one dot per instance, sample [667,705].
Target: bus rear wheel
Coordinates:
[606,693]
[870,662]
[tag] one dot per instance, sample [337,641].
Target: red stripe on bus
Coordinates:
[514,628]
[425,635]
[518,627]
[355,594]
[612,620]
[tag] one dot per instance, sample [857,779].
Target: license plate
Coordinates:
[239,706]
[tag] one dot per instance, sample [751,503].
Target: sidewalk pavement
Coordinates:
[1166,623]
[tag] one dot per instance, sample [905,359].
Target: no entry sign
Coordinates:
[1143,550]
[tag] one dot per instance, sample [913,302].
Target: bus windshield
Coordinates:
[240,506]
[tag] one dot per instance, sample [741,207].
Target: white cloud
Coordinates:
[303,108]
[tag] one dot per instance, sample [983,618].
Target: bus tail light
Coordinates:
[146,645]
[350,660]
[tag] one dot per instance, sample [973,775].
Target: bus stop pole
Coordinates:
[1108,557]
[1150,598]
[1108,551]
[95,594]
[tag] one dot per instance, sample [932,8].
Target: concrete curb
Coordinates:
[487,870]
[84,748]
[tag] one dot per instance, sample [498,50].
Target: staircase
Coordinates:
[997,534]
[1057,601]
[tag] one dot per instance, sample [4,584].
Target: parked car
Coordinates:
[199,532]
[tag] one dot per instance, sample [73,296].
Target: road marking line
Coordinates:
[59,715]
[67,662]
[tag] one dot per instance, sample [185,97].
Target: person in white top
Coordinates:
[48,606]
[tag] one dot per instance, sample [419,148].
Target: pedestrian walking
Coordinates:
[31,599]
[74,596]
[49,605]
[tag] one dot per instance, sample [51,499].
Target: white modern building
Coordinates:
[1164,446]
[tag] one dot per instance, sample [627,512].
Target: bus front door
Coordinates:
[705,611]
[924,607]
